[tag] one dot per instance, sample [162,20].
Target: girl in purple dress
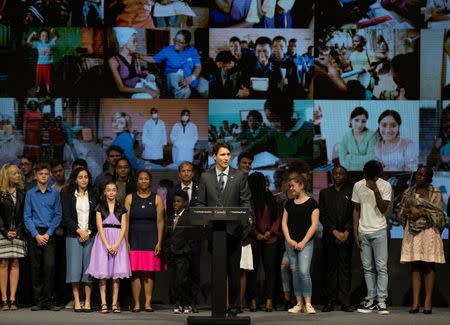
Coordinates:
[109,257]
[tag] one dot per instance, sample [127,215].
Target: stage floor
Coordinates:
[166,317]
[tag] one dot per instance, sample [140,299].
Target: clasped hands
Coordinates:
[42,240]
[341,236]
[297,246]
[264,236]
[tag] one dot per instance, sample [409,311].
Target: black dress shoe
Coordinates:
[327,308]
[195,309]
[347,308]
[427,311]
[36,308]
[413,311]
[55,308]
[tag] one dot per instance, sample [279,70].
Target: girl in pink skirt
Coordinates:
[109,257]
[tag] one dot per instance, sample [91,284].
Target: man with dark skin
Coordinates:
[371,197]
[336,210]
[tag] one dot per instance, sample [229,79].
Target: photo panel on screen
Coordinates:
[367,64]
[369,14]
[51,130]
[157,134]
[355,132]
[57,13]
[261,13]
[434,134]
[274,137]
[160,13]
[61,61]
[260,63]
[435,64]
[8,52]
[157,63]
[435,14]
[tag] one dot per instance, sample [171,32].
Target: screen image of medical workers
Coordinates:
[157,134]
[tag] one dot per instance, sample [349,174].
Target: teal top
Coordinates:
[353,156]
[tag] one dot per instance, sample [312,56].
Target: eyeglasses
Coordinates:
[25,164]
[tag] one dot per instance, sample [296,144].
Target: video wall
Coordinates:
[298,84]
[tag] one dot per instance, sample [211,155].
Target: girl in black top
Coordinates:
[299,224]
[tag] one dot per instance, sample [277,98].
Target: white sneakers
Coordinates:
[300,308]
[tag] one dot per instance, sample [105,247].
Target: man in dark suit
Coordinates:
[186,176]
[224,186]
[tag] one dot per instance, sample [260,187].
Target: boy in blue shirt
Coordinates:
[42,215]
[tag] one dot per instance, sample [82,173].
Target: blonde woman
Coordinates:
[121,125]
[12,243]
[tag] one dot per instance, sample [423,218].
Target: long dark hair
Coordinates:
[261,196]
[395,115]
[72,186]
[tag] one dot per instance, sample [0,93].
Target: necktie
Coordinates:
[186,188]
[221,182]
[175,220]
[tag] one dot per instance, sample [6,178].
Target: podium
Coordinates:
[217,218]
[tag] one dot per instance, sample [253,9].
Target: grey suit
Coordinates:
[236,193]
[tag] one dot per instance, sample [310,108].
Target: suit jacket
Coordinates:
[193,202]
[235,194]
[69,212]
[176,243]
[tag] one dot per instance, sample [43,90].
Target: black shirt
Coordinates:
[299,218]
[336,209]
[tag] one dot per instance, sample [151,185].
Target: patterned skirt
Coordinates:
[426,246]
[15,248]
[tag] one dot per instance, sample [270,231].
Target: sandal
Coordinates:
[115,309]
[4,306]
[136,310]
[13,305]
[104,309]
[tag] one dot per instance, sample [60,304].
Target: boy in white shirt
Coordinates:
[372,196]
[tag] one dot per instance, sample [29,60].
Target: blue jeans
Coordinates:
[286,278]
[300,263]
[283,20]
[171,21]
[374,258]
